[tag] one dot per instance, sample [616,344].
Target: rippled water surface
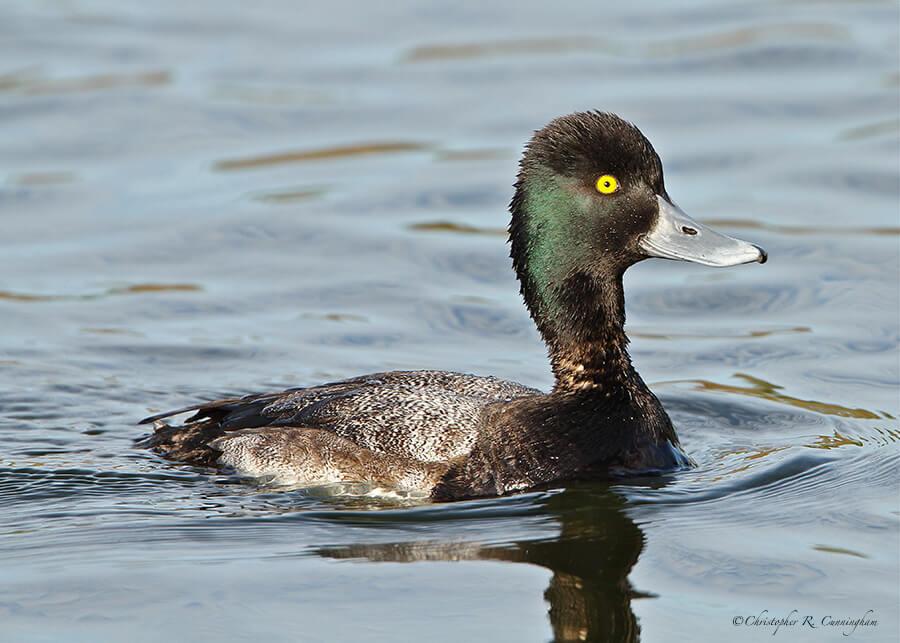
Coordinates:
[204,198]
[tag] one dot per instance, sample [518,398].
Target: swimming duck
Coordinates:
[589,202]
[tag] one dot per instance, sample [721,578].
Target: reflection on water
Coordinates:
[32,83]
[462,228]
[768,391]
[743,37]
[289,196]
[803,230]
[120,290]
[44,178]
[589,593]
[872,130]
[733,335]
[318,154]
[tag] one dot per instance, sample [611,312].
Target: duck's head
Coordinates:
[590,201]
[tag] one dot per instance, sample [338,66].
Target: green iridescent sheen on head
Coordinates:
[556,225]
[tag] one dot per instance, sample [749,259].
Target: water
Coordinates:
[201,199]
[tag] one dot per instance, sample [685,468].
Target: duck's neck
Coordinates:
[586,340]
[572,283]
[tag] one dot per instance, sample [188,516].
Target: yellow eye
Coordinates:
[607,184]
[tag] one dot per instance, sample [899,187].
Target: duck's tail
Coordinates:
[188,443]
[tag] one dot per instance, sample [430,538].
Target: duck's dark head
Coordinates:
[590,201]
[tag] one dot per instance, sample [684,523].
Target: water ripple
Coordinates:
[471,319]
[746,300]
[318,154]
[740,38]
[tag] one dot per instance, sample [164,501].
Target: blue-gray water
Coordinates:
[206,198]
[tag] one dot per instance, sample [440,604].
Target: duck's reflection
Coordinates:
[591,557]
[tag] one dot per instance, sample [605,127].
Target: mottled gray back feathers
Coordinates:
[425,415]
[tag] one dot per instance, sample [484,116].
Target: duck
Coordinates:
[589,202]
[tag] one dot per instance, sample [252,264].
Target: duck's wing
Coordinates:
[224,407]
[424,415]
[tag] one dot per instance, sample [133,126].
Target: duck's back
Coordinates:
[430,416]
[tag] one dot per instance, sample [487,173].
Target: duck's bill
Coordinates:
[677,236]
